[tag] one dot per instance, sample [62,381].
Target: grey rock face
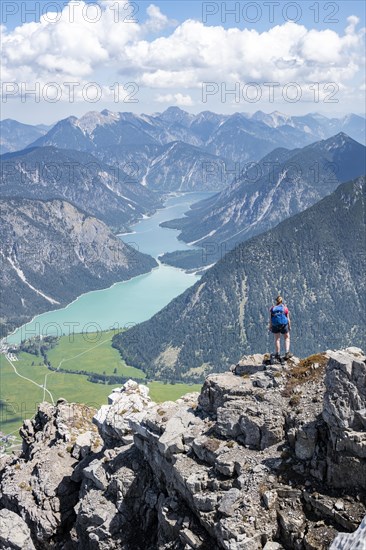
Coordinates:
[237,467]
[345,415]
[37,485]
[14,533]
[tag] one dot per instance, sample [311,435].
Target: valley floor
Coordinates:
[28,381]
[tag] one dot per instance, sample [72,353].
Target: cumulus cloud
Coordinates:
[175,99]
[157,21]
[74,48]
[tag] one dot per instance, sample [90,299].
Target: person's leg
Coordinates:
[287,342]
[277,343]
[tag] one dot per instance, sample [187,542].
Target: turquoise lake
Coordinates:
[127,302]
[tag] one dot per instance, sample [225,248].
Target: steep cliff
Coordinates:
[265,457]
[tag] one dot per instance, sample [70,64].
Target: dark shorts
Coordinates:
[282,329]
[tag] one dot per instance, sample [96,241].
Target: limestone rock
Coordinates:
[344,413]
[14,532]
[250,364]
[127,403]
[172,440]
[82,445]
[265,459]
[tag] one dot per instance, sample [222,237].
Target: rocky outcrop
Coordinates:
[37,486]
[265,457]
[345,415]
[14,534]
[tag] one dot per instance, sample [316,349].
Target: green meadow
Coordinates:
[92,353]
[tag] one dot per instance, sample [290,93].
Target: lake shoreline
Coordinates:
[15,338]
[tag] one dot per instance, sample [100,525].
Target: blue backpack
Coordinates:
[278,316]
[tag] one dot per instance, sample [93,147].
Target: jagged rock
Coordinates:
[269,499]
[14,533]
[82,445]
[38,485]
[344,413]
[236,467]
[171,442]
[305,442]
[250,364]
[262,426]
[96,473]
[190,539]
[229,502]
[319,536]
[231,461]
[127,403]
[264,380]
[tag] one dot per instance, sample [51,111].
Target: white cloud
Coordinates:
[175,99]
[75,49]
[157,21]
[194,53]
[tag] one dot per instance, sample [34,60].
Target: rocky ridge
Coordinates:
[264,457]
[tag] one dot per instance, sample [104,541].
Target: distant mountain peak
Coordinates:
[174,109]
[339,140]
[273,119]
[88,122]
[175,115]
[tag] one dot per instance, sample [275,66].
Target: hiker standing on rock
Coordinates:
[279,323]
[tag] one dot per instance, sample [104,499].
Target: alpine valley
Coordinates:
[51,252]
[316,257]
[267,456]
[83,180]
[280,185]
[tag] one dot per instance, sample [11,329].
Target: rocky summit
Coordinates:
[265,457]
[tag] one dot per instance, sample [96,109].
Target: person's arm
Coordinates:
[289,320]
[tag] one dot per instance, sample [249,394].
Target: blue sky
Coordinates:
[219,56]
[259,15]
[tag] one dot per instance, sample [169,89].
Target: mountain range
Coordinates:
[15,135]
[51,252]
[282,184]
[113,168]
[105,192]
[316,259]
[175,150]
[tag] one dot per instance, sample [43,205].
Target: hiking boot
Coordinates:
[277,357]
[288,355]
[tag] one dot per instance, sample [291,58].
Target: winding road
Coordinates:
[42,386]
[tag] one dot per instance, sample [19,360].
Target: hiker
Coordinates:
[279,323]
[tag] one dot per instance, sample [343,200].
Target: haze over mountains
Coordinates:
[316,258]
[15,135]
